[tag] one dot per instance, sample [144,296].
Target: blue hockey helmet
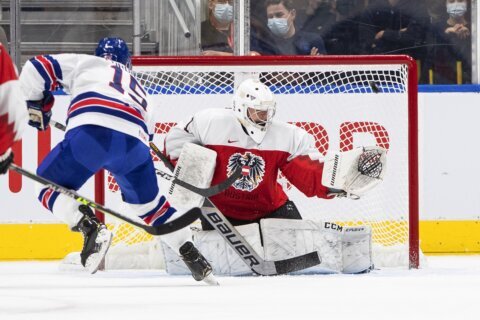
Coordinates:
[115,49]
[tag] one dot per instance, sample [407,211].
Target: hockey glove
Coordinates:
[5,160]
[40,111]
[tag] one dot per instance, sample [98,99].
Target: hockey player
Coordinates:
[107,128]
[248,136]
[12,110]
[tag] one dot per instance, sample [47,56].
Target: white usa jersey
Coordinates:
[104,92]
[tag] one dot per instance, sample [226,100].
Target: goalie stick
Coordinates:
[238,243]
[186,219]
[204,192]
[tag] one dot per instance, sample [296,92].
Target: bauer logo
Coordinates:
[234,241]
[253,170]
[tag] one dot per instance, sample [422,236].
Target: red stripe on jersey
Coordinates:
[104,103]
[49,68]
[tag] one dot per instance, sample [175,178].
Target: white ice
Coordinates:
[448,288]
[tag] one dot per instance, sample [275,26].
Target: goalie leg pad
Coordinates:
[284,239]
[357,249]
[217,252]
[196,165]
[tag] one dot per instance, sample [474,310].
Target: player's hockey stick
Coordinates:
[204,192]
[238,243]
[186,219]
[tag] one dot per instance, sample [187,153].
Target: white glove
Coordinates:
[354,172]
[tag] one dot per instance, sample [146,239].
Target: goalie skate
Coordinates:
[199,266]
[97,239]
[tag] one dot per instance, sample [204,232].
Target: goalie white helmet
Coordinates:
[254,106]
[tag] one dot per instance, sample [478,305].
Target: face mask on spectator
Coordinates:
[456,9]
[278,26]
[223,12]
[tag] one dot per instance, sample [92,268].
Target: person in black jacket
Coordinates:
[342,37]
[395,27]
[287,39]
[450,51]
[217,31]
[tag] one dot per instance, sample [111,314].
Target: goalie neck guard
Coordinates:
[254,107]
[115,49]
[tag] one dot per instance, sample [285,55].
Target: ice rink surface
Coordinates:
[448,288]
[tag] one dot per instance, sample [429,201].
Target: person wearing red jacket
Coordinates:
[13,109]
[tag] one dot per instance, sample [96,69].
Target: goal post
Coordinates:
[343,101]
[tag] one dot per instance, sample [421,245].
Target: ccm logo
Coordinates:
[231,237]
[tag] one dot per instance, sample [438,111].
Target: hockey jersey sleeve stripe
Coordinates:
[95,102]
[47,197]
[49,68]
[56,66]
[41,69]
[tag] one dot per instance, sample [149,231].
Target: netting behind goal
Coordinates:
[343,102]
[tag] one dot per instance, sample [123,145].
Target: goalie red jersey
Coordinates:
[12,106]
[284,148]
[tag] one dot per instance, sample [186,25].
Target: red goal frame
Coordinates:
[412,86]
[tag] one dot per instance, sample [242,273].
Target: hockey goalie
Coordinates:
[211,144]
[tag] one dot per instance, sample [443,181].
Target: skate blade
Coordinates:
[95,260]
[211,280]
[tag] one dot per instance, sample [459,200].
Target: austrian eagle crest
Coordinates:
[253,170]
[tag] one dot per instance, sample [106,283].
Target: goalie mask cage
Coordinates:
[343,101]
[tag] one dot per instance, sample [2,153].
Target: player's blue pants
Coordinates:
[87,149]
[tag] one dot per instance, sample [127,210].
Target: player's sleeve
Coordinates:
[185,131]
[303,168]
[47,73]
[12,105]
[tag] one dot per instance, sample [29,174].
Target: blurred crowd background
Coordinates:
[439,34]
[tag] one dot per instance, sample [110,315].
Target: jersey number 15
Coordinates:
[136,91]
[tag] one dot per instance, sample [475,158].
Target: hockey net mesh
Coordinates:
[342,106]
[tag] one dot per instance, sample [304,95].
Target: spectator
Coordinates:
[217,30]
[261,38]
[342,37]
[395,27]
[287,40]
[450,52]
[317,17]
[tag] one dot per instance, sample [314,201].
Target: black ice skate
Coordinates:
[196,262]
[96,239]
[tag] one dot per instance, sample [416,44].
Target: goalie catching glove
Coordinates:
[353,173]
[40,111]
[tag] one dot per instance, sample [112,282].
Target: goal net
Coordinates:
[343,102]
